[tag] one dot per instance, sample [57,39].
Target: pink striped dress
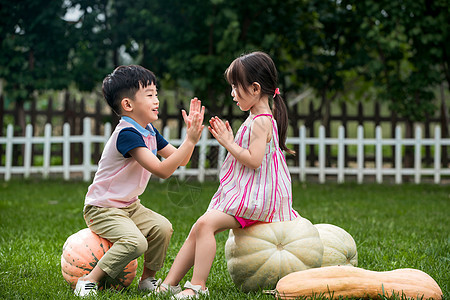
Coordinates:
[264,194]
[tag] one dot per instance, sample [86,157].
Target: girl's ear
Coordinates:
[256,88]
[126,104]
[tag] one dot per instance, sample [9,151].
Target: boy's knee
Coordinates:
[164,228]
[137,245]
[160,230]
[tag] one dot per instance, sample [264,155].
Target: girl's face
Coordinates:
[245,100]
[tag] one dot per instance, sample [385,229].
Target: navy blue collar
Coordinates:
[144,131]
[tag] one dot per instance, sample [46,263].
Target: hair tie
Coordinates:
[277,92]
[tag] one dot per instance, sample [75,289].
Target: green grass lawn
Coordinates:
[394,226]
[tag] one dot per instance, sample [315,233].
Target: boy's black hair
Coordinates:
[124,82]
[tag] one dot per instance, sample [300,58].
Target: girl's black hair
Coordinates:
[259,67]
[124,82]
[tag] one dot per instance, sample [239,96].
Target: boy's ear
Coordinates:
[126,104]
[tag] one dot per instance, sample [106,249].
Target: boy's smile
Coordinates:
[145,105]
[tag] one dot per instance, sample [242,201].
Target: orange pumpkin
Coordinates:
[82,251]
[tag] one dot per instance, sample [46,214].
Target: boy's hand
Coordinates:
[195,126]
[195,106]
[221,131]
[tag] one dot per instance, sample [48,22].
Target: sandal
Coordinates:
[197,290]
[172,289]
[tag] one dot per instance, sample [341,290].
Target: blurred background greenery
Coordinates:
[332,50]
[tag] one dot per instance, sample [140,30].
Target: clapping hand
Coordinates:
[195,107]
[194,121]
[221,131]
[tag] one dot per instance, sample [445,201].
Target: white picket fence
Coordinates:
[377,170]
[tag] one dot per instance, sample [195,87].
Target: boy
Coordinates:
[112,207]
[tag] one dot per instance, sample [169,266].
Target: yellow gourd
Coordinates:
[352,282]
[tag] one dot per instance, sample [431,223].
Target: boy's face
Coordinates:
[145,105]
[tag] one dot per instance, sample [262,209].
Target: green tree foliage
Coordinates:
[34,49]
[90,56]
[407,42]
[338,48]
[322,47]
[193,42]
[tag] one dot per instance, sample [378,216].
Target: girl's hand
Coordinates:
[252,156]
[195,126]
[221,131]
[195,106]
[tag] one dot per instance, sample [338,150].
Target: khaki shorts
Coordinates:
[133,230]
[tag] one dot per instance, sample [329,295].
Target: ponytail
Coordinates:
[281,116]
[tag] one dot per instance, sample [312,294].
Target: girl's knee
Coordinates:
[196,229]
[201,225]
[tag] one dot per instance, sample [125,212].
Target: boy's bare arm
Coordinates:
[195,106]
[164,169]
[170,149]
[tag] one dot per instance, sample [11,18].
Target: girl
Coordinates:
[255,185]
